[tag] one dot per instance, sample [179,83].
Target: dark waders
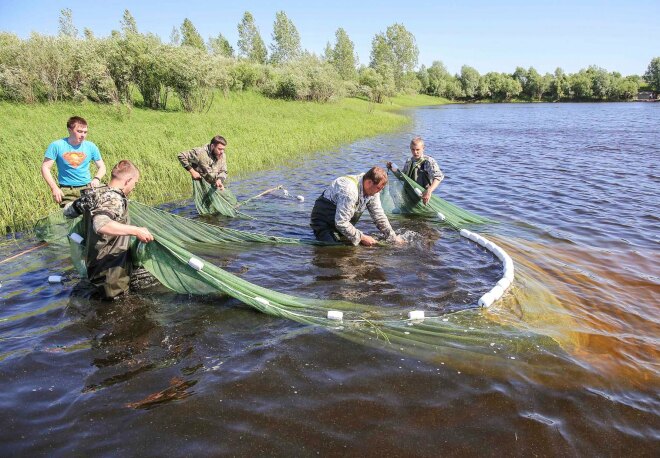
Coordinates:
[323,221]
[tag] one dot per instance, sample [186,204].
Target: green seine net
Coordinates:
[212,201]
[399,197]
[442,337]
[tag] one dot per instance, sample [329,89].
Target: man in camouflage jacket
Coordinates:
[207,162]
[108,231]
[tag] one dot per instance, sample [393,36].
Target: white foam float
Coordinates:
[76,237]
[335,315]
[416,314]
[503,283]
[195,263]
[55,279]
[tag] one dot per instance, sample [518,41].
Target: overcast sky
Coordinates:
[487,35]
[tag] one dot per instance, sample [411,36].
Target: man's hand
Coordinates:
[143,234]
[96,182]
[426,196]
[391,166]
[367,240]
[58,195]
[398,240]
[195,175]
[219,185]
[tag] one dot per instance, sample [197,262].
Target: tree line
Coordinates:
[133,67]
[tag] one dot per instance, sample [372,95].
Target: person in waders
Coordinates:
[207,162]
[422,169]
[108,231]
[339,208]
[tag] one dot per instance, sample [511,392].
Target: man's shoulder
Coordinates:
[58,144]
[430,159]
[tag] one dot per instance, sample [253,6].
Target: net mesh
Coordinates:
[400,196]
[212,201]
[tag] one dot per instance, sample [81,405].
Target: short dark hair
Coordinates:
[218,139]
[73,120]
[376,175]
[124,169]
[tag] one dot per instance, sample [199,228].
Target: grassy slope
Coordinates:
[261,133]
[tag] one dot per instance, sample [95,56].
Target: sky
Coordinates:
[491,35]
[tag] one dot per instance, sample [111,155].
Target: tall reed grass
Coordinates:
[261,133]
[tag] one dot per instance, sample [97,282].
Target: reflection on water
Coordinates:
[567,361]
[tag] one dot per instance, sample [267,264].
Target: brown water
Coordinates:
[565,364]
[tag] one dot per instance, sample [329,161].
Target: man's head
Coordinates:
[417,148]
[124,176]
[374,181]
[218,145]
[77,127]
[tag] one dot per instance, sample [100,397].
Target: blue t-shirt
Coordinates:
[73,161]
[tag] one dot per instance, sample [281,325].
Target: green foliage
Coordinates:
[190,36]
[394,53]
[376,86]
[469,80]
[247,75]
[441,83]
[499,86]
[652,75]
[128,23]
[250,44]
[220,46]
[308,78]
[286,40]
[343,56]
[66,28]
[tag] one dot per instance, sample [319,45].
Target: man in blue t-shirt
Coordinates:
[72,156]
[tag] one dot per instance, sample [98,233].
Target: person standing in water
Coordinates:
[421,168]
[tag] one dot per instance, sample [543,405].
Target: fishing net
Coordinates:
[402,196]
[171,259]
[212,201]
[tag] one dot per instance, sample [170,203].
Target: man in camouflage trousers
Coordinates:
[108,231]
[207,162]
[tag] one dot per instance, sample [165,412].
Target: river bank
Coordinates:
[262,133]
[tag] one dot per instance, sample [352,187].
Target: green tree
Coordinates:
[175,37]
[395,52]
[652,75]
[343,56]
[128,24]
[250,44]
[581,85]
[220,46]
[67,29]
[423,77]
[190,36]
[286,40]
[469,80]
[559,87]
[600,82]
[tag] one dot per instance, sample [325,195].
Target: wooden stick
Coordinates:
[259,195]
[23,252]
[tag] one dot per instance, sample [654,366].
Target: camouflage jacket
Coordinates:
[423,171]
[205,163]
[107,257]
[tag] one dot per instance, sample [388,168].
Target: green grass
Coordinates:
[261,133]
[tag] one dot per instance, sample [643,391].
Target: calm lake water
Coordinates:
[574,188]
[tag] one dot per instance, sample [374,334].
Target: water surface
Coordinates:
[566,363]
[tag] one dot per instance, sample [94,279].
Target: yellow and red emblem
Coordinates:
[74,158]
